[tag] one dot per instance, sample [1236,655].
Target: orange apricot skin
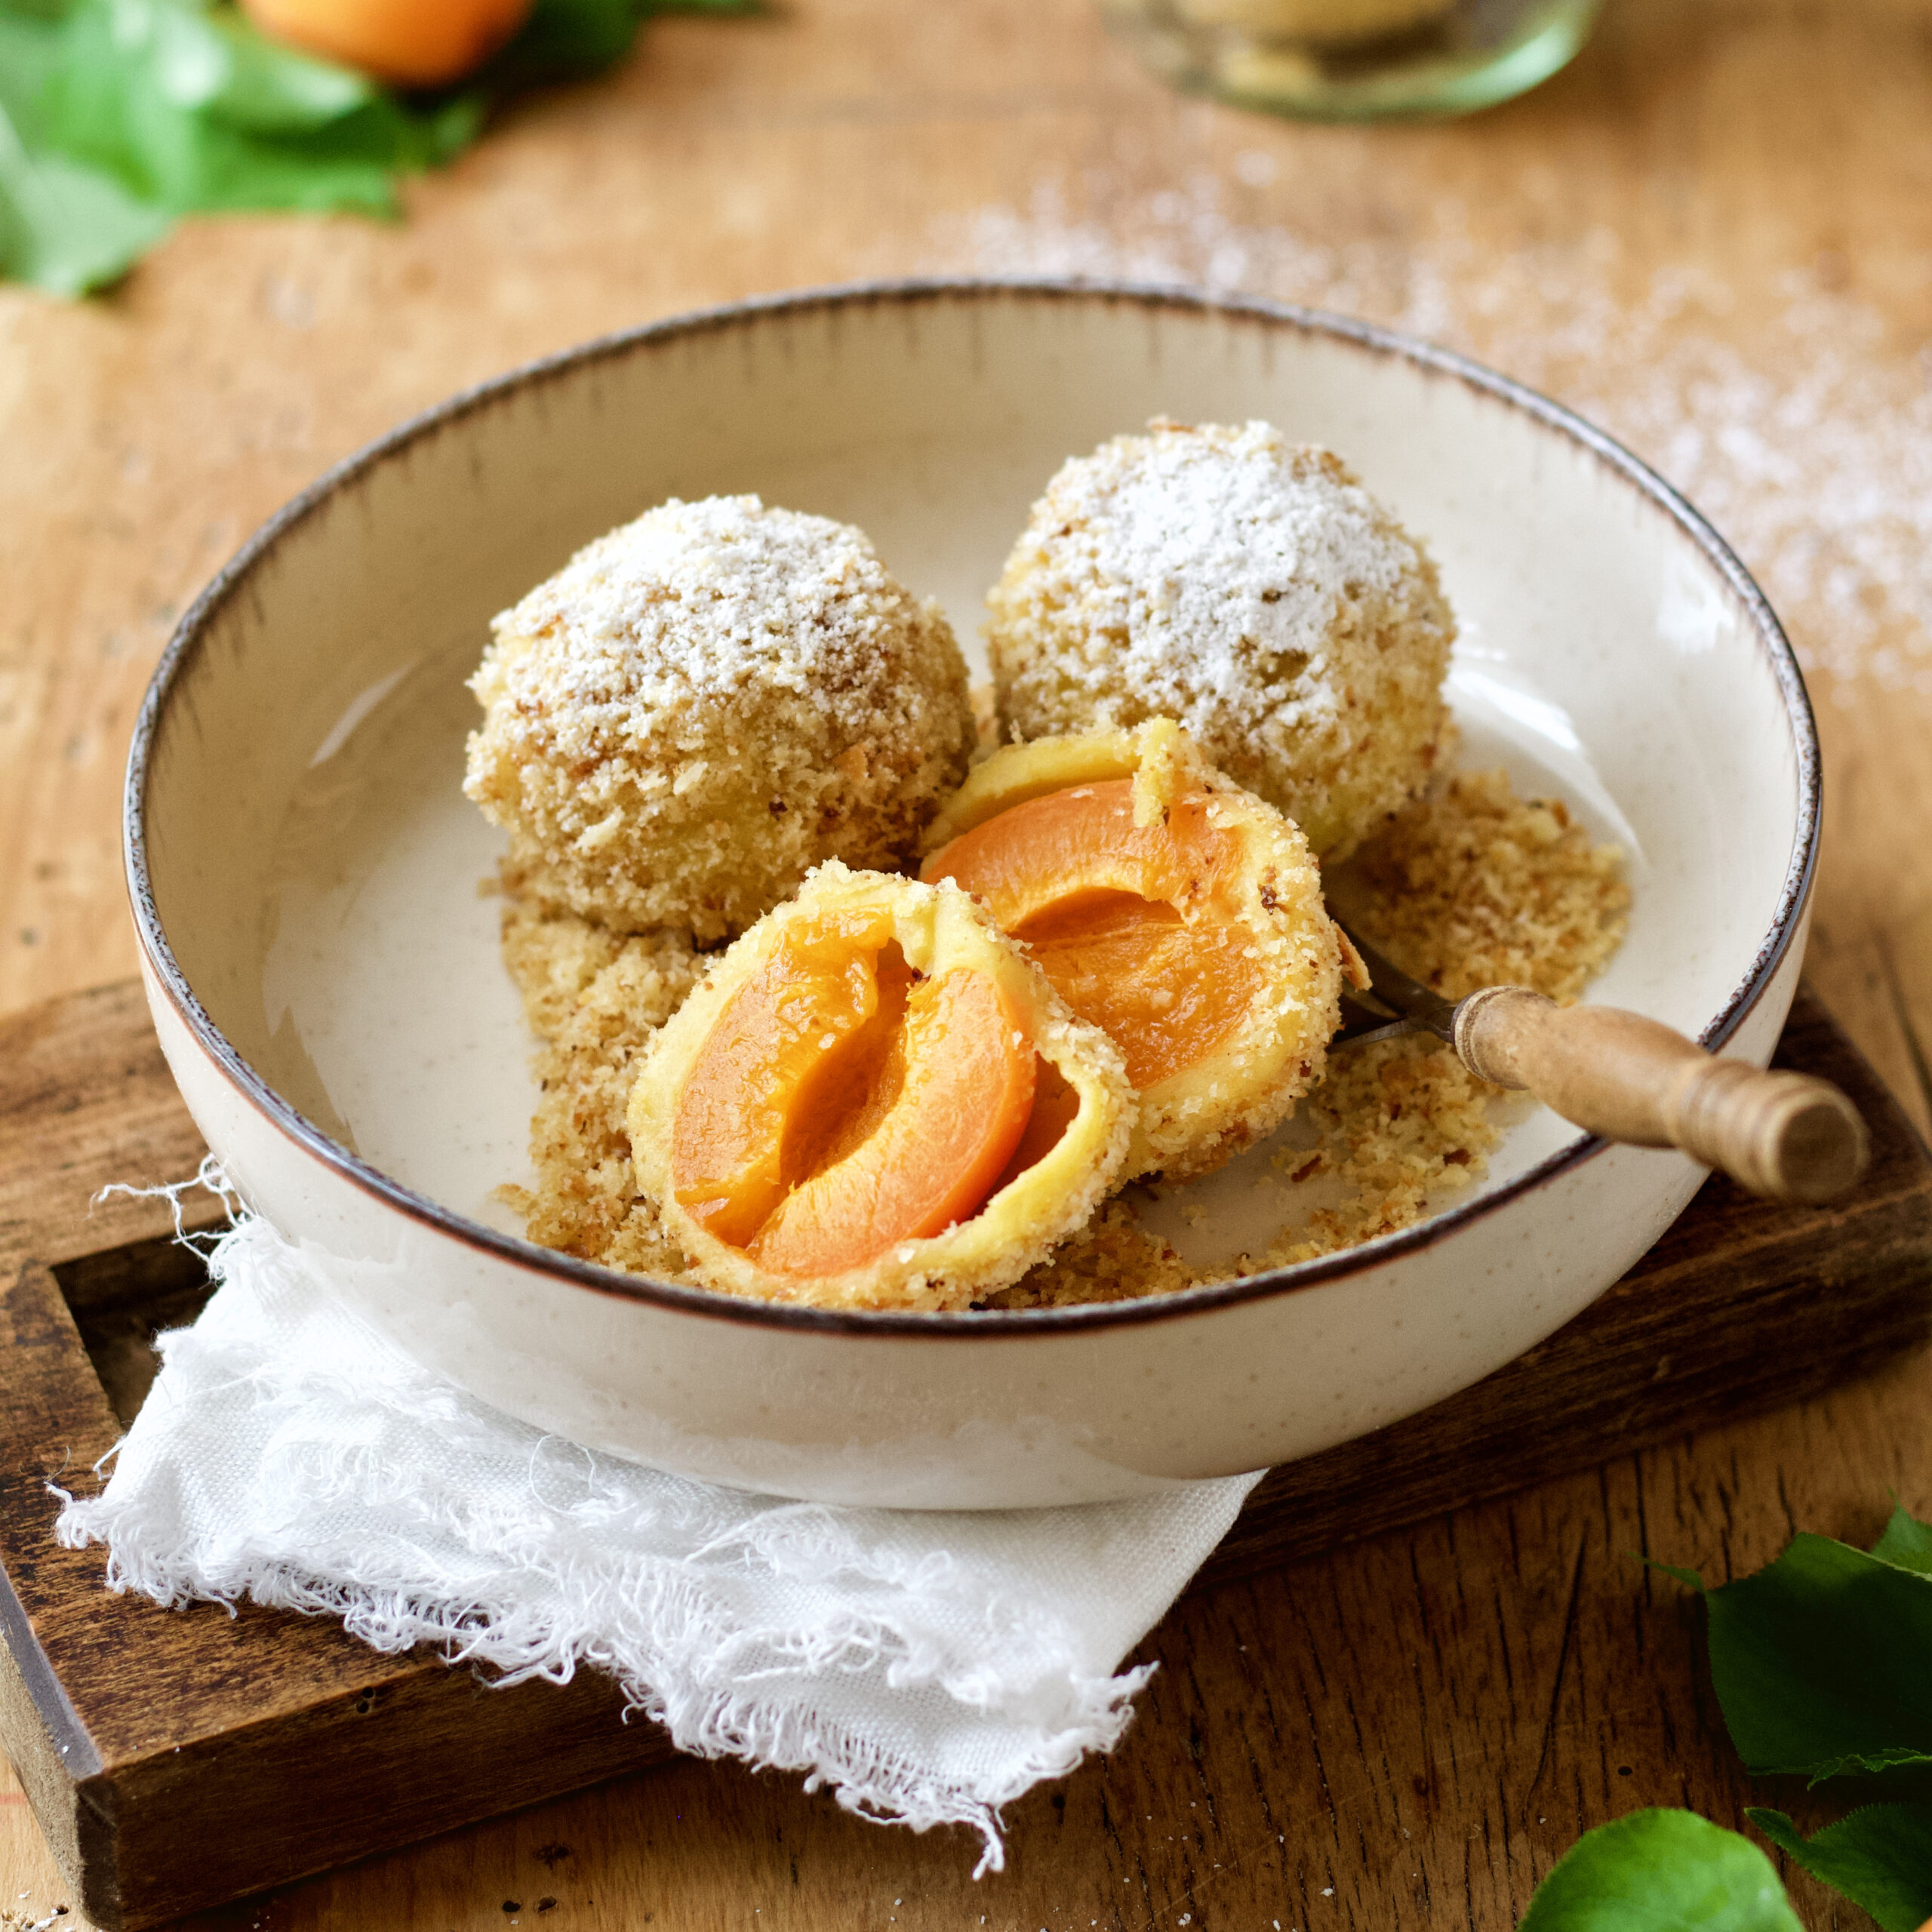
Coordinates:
[409,43]
[964,1097]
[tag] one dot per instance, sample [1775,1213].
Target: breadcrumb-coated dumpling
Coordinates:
[876,1099]
[1250,589]
[705,703]
[1180,915]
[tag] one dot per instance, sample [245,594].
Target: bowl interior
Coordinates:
[316,871]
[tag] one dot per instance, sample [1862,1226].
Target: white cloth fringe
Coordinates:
[928,1667]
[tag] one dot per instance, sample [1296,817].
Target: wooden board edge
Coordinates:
[86,1101]
[107,1824]
[48,1772]
[252,1778]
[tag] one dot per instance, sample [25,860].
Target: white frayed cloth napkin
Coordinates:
[929,1667]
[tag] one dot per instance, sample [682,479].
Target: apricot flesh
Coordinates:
[772,1041]
[880,1100]
[960,1077]
[1135,926]
[843,1102]
[1181,916]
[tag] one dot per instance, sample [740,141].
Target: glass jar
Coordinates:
[1355,60]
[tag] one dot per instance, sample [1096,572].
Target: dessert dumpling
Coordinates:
[875,1100]
[1180,915]
[1251,589]
[704,705]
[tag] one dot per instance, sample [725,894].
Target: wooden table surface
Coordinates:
[1713,234]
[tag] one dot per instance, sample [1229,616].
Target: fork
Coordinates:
[1617,1075]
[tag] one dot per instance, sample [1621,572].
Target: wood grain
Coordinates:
[1478,1683]
[1683,1340]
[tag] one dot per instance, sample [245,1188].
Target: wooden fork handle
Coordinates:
[1628,1078]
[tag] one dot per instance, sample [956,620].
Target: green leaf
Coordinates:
[1880,1857]
[1661,1871]
[1906,1542]
[65,229]
[29,51]
[217,64]
[1689,1579]
[147,92]
[562,39]
[565,37]
[1820,1660]
[122,114]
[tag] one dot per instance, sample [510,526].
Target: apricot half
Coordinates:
[1178,914]
[876,1099]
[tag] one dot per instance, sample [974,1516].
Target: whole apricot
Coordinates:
[410,43]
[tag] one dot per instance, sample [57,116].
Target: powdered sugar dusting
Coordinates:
[1783,411]
[1248,588]
[1207,550]
[699,599]
[705,703]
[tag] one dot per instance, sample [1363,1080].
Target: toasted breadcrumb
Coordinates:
[593,999]
[1471,886]
[1400,1122]
[1248,588]
[1113,1258]
[1474,887]
[705,703]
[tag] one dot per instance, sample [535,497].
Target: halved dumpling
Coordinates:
[1178,913]
[875,1100]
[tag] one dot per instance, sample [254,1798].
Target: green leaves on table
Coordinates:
[66,227]
[1880,1857]
[1661,1871]
[1822,1664]
[1823,1660]
[119,116]
[1906,1543]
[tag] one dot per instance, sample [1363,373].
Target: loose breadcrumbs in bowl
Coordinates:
[1471,886]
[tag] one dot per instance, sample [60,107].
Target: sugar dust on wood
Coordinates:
[1779,410]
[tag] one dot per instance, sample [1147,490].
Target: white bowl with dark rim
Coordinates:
[324,975]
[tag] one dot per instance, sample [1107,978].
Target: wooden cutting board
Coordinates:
[176,1760]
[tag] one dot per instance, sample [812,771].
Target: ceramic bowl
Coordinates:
[324,972]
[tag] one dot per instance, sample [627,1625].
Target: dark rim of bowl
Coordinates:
[991,1323]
